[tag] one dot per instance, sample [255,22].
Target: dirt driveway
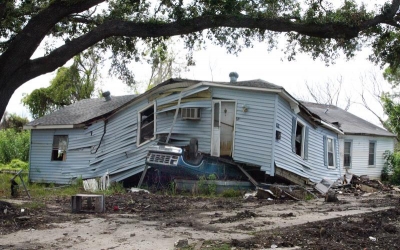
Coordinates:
[148,221]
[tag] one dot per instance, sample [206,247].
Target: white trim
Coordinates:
[51,126]
[138,144]
[212,124]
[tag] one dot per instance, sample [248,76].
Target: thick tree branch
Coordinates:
[26,42]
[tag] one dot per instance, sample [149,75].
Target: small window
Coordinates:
[146,126]
[190,113]
[299,140]
[347,154]
[60,145]
[331,152]
[371,155]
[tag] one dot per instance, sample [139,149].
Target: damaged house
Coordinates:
[255,124]
[362,144]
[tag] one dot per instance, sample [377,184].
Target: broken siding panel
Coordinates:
[360,151]
[119,149]
[184,130]
[120,137]
[254,128]
[191,104]
[200,93]
[285,158]
[43,169]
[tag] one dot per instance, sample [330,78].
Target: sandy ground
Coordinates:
[158,222]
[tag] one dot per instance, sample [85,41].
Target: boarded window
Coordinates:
[59,150]
[347,154]
[331,152]
[146,125]
[371,156]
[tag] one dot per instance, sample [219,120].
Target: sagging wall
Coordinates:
[360,152]
[42,169]
[253,128]
[118,153]
[313,167]
[184,129]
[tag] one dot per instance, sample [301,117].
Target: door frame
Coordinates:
[220,101]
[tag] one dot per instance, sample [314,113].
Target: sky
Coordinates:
[214,63]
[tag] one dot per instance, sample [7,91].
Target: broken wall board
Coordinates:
[292,177]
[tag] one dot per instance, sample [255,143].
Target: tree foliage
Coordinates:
[164,65]
[391,101]
[14,145]
[13,121]
[318,28]
[69,86]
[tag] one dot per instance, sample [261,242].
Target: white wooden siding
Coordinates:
[254,128]
[117,154]
[285,158]
[359,154]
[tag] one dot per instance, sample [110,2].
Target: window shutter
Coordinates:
[306,144]
[294,122]
[336,153]
[324,150]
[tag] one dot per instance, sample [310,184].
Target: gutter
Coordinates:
[330,127]
[38,126]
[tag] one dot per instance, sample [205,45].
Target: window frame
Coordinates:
[333,152]
[55,150]
[374,153]
[139,123]
[350,153]
[304,138]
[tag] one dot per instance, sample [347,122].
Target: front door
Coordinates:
[223,128]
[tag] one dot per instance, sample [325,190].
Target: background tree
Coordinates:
[329,93]
[70,85]
[391,101]
[315,27]
[165,64]
[13,121]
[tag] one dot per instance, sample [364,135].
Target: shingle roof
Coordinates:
[348,123]
[257,83]
[82,111]
[89,109]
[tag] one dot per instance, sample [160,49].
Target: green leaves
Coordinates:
[70,85]
[14,145]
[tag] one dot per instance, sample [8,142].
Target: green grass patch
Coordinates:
[231,193]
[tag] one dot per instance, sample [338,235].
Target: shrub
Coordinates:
[18,164]
[14,145]
[207,185]
[391,168]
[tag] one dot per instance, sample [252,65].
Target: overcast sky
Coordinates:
[215,63]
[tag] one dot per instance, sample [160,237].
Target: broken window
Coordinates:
[59,150]
[299,138]
[331,152]
[371,155]
[347,154]
[299,141]
[146,128]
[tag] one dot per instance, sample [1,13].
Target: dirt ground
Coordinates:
[150,221]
